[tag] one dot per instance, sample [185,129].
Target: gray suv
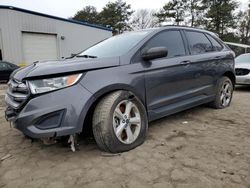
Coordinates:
[120,84]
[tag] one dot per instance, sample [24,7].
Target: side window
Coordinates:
[198,42]
[172,40]
[216,45]
[3,66]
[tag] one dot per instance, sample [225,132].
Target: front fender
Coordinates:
[114,87]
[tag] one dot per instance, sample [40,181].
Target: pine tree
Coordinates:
[87,14]
[174,9]
[220,15]
[243,26]
[116,15]
[194,9]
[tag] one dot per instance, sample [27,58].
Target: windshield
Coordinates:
[115,46]
[244,58]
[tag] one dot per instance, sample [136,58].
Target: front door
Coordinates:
[170,81]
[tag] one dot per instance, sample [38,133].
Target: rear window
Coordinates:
[198,43]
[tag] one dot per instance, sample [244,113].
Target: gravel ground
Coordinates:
[201,147]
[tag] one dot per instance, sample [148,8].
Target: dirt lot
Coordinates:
[201,147]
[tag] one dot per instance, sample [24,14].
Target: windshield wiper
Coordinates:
[86,56]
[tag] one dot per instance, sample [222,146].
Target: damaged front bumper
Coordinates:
[54,114]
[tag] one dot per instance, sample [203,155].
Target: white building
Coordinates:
[27,36]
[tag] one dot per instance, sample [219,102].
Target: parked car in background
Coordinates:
[242,69]
[6,69]
[120,84]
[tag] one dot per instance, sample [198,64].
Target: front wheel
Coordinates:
[119,122]
[224,93]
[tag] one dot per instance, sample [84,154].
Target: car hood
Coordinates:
[243,65]
[53,68]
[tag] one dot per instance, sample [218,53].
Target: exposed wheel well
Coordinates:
[87,124]
[231,76]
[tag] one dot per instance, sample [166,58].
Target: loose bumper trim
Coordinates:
[53,114]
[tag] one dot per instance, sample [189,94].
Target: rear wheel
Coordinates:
[224,93]
[119,122]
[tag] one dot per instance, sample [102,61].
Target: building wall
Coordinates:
[76,37]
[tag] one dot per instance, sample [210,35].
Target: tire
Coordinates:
[108,122]
[222,91]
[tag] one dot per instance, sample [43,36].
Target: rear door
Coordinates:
[170,81]
[205,58]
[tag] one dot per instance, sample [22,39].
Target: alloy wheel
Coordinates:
[226,94]
[127,121]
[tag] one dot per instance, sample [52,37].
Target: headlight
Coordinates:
[50,84]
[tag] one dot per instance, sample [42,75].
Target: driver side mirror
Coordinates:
[154,53]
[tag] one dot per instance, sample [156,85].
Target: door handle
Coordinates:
[185,62]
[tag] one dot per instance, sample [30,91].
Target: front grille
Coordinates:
[242,72]
[17,94]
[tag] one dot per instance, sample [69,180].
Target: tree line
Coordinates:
[220,16]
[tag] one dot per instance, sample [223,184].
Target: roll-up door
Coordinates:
[38,47]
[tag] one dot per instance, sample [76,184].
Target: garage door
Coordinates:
[38,47]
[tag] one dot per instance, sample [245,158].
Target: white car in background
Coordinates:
[242,69]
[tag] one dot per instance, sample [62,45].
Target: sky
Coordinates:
[68,8]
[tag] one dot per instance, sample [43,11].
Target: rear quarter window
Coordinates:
[198,42]
[216,45]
